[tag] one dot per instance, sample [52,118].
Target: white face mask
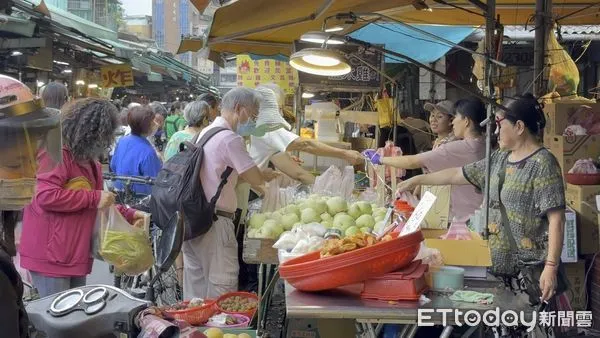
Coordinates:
[16,193]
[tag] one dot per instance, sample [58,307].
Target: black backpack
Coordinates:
[178,188]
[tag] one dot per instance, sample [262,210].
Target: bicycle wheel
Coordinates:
[166,289]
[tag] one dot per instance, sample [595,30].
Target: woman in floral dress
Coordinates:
[526,179]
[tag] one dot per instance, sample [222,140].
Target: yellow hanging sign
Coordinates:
[252,73]
[117,76]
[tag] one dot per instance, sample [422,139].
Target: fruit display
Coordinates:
[335,247]
[238,304]
[331,212]
[214,332]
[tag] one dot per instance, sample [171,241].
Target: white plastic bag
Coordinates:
[334,182]
[430,256]
[280,192]
[311,229]
[369,195]
[347,183]
[287,241]
[271,199]
[307,245]
[329,182]
[97,237]
[124,246]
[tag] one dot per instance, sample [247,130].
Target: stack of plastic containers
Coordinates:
[405,284]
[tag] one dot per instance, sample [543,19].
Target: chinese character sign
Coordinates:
[117,76]
[252,73]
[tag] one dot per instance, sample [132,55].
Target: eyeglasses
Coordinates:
[499,120]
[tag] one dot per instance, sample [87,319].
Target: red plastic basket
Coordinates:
[196,315]
[407,284]
[313,273]
[583,179]
[248,314]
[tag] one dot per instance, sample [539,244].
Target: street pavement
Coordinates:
[100,274]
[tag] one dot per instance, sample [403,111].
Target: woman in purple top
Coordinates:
[469,113]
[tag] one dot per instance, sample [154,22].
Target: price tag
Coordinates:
[414,222]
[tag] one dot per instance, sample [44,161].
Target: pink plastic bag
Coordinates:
[390,150]
[458,230]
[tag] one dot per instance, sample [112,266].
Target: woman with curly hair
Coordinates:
[58,224]
[135,155]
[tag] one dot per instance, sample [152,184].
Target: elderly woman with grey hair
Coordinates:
[196,115]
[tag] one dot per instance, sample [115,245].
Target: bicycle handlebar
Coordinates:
[129,179]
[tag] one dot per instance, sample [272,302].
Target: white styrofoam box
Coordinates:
[598,202]
[569,249]
[320,110]
[326,131]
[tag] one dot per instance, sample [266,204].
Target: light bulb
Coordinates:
[334,29]
[325,61]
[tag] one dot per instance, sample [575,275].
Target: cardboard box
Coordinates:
[576,275]
[569,250]
[558,114]
[474,255]
[569,149]
[438,216]
[582,199]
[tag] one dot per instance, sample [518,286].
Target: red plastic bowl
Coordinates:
[583,179]
[313,273]
[248,314]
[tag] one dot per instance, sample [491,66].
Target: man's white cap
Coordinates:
[269,118]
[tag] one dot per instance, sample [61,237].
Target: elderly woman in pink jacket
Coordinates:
[58,225]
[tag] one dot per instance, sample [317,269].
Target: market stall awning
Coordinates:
[275,24]
[200,4]
[18,26]
[234,31]
[413,44]
[75,22]
[511,12]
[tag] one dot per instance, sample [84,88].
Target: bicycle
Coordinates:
[166,290]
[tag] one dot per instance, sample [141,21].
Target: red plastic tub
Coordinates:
[248,314]
[313,273]
[583,179]
[406,284]
[197,315]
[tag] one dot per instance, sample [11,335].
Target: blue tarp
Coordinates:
[411,43]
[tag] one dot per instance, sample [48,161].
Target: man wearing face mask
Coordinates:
[210,260]
[25,124]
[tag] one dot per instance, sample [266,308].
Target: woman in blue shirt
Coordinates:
[134,154]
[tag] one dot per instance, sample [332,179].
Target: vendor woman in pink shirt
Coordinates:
[469,113]
[58,224]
